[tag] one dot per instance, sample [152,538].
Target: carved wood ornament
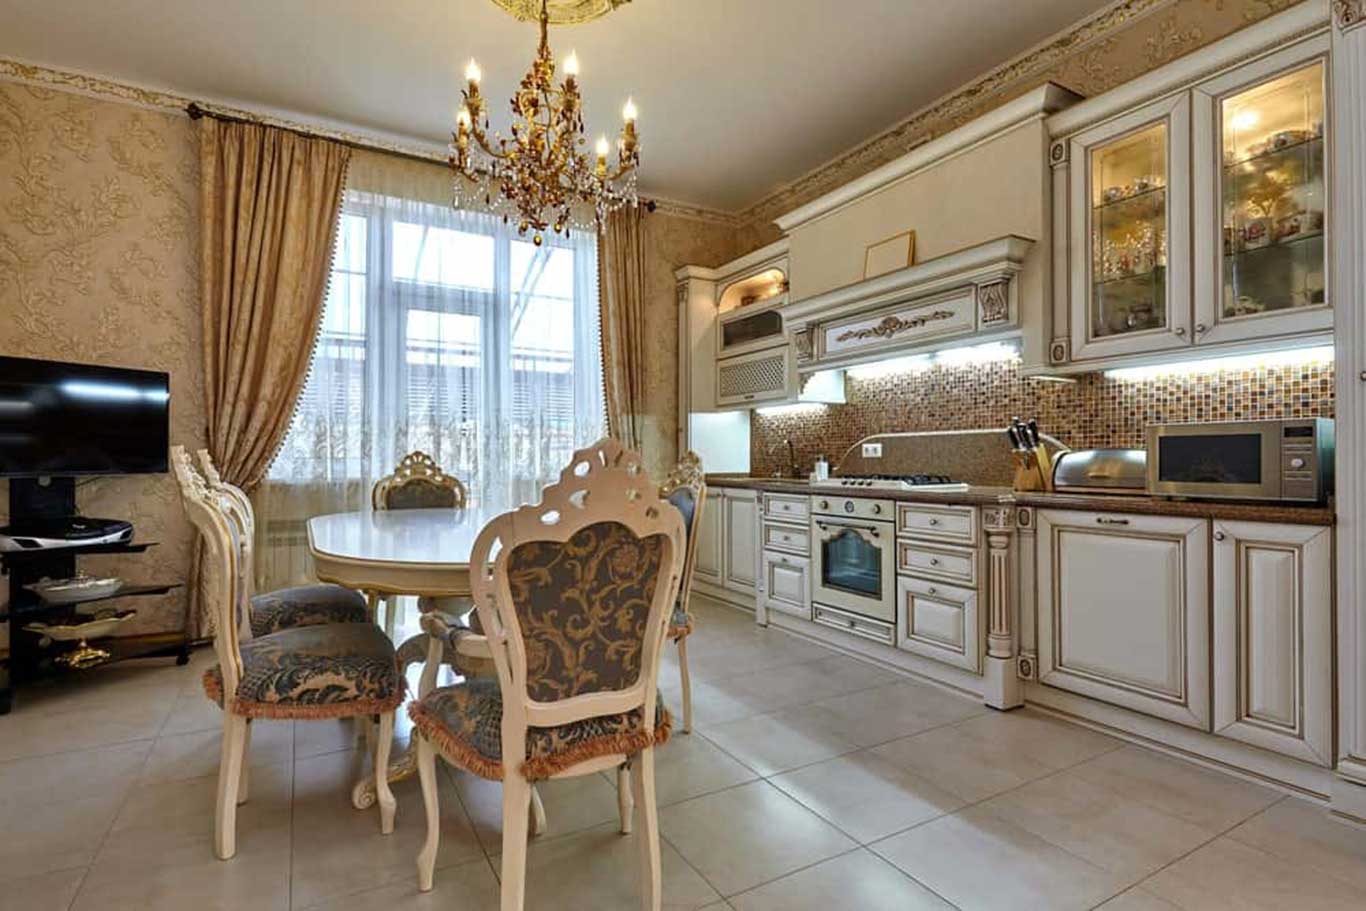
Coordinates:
[894,325]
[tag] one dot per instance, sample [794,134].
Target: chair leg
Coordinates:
[426,771]
[229,779]
[387,804]
[390,611]
[625,801]
[686,682]
[516,810]
[244,783]
[643,784]
[538,820]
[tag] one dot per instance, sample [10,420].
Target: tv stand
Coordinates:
[51,504]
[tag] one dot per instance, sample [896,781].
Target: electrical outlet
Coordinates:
[872,450]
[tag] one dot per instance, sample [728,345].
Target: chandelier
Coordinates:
[541,175]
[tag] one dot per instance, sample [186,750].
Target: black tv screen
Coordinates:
[80,419]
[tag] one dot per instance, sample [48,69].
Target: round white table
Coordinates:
[422,552]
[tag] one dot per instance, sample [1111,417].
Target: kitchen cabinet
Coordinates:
[754,378]
[1273,628]
[710,540]
[741,511]
[1194,224]
[939,621]
[787,583]
[1124,611]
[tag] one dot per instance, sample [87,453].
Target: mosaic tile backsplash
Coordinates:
[1096,411]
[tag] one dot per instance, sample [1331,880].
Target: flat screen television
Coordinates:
[61,419]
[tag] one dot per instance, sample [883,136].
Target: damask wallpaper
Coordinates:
[99,264]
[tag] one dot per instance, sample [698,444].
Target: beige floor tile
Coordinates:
[772,689]
[163,815]
[29,731]
[783,740]
[746,836]
[1051,741]
[1308,835]
[99,772]
[978,861]
[338,850]
[1137,899]
[179,757]
[571,805]
[1207,798]
[690,765]
[860,880]
[1227,874]
[599,868]
[1111,831]
[960,764]
[711,705]
[193,711]
[54,836]
[43,892]
[465,887]
[865,796]
[317,738]
[884,713]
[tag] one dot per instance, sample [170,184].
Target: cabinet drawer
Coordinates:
[787,581]
[793,539]
[786,508]
[938,621]
[957,524]
[854,624]
[937,561]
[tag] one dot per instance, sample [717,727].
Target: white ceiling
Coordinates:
[737,97]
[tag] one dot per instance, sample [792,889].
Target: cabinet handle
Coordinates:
[1180,330]
[1362,375]
[931,590]
[934,561]
[934,521]
[1201,329]
[1106,520]
[1219,536]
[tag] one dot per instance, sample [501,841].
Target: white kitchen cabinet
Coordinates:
[787,583]
[1124,611]
[740,510]
[710,540]
[939,621]
[1273,627]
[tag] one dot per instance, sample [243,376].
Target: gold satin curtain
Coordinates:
[621,263]
[270,203]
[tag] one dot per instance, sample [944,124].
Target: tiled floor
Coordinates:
[813,782]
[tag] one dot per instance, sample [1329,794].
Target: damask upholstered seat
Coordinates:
[306,605]
[465,723]
[333,670]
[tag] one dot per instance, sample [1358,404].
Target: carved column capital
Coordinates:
[993,302]
[803,344]
[1349,14]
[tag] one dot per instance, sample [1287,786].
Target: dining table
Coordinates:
[421,552]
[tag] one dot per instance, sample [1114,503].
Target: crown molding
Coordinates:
[679,209]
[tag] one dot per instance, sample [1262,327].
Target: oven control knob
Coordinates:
[849,506]
[1297,463]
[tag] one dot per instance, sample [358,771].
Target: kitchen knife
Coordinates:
[1014,436]
[1033,432]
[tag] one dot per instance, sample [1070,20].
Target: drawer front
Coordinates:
[937,561]
[787,584]
[786,508]
[938,621]
[854,624]
[792,539]
[955,524]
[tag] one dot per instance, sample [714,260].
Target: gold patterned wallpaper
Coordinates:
[1095,412]
[99,263]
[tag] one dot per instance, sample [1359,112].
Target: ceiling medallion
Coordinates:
[561,12]
[540,175]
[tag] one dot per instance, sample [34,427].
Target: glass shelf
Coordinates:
[1159,193]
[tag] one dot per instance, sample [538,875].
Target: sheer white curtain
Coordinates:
[446,332]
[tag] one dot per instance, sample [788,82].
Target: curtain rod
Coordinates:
[195,111]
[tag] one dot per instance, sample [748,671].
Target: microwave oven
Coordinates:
[1287,460]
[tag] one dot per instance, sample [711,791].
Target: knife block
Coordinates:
[1033,470]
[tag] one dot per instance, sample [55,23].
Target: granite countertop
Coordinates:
[988,495]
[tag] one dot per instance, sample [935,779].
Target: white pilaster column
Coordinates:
[1348,288]
[1002,689]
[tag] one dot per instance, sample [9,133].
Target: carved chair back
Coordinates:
[574,592]
[418,483]
[210,512]
[239,509]
[686,489]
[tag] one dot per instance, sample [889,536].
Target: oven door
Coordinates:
[1227,460]
[853,566]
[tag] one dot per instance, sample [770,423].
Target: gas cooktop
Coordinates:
[872,482]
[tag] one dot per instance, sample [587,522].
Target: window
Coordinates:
[446,332]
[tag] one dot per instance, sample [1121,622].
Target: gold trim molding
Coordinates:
[562,12]
[894,325]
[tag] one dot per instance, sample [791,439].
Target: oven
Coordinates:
[1288,460]
[853,556]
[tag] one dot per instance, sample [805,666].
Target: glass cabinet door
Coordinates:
[1261,141]
[1130,214]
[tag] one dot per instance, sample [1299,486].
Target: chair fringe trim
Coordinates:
[249,708]
[463,755]
[681,631]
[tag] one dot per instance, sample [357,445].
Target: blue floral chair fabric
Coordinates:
[465,723]
[306,605]
[334,670]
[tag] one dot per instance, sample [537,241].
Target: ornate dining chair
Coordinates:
[575,594]
[285,608]
[325,671]
[686,489]
[417,483]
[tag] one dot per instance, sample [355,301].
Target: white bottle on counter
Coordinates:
[822,472]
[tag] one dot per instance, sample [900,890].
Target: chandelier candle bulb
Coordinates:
[629,112]
[571,66]
[473,74]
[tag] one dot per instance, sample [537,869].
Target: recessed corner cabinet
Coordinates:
[1196,220]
